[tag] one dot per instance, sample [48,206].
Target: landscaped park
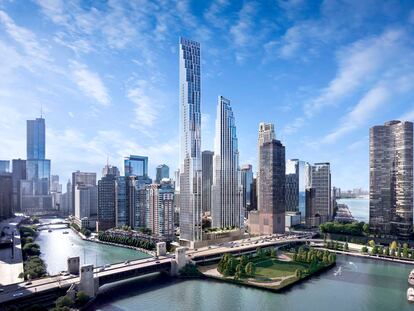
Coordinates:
[269,269]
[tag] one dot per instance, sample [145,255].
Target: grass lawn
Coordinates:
[272,268]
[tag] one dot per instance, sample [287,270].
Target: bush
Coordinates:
[64,301]
[356,228]
[81,298]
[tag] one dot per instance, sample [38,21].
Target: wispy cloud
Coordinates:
[362,112]
[90,83]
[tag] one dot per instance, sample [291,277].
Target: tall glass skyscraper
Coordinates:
[190,140]
[207,179]
[247,186]
[36,141]
[136,166]
[391,178]
[296,176]
[162,171]
[226,209]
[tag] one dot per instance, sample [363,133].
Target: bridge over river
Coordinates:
[48,289]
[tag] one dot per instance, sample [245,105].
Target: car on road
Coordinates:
[126,262]
[107,265]
[29,283]
[1,290]
[18,294]
[101,269]
[157,261]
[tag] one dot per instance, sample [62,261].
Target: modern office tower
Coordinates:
[190,140]
[247,188]
[56,192]
[18,174]
[319,204]
[81,178]
[254,195]
[86,205]
[107,202]
[161,209]
[110,170]
[391,178]
[207,179]
[136,166]
[162,171]
[226,206]
[177,180]
[296,177]
[35,195]
[271,183]
[4,166]
[122,215]
[6,195]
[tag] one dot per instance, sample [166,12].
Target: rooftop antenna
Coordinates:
[41,111]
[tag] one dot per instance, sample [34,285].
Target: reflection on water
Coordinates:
[56,247]
[362,285]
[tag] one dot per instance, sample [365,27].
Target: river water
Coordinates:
[56,247]
[363,284]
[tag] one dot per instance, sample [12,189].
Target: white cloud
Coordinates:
[362,112]
[146,107]
[90,83]
[241,31]
[408,116]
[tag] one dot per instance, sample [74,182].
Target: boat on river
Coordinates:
[65,232]
[410,294]
[411,278]
[50,230]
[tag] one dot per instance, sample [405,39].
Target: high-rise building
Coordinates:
[247,188]
[271,183]
[66,201]
[162,171]
[86,205]
[190,140]
[4,166]
[296,177]
[136,166]
[391,178]
[319,203]
[84,179]
[226,207]
[35,195]
[107,201]
[18,174]
[6,195]
[110,170]
[207,179]
[161,208]
[56,192]
[122,203]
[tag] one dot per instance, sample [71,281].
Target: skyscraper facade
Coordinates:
[391,178]
[247,187]
[86,205]
[110,170]
[207,179]
[106,202]
[84,179]
[35,195]
[319,209]
[271,183]
[190,141]
[296,176]
[6,195]
[162,171]
[226,208]
[18,174]
[4,166]
[161,209]
[136,166]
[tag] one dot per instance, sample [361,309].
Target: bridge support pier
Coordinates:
[179,262]
[161,249]
[88,283]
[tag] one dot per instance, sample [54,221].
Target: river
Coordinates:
[364,284]
[56,247]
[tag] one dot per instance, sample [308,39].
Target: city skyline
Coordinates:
[289,51]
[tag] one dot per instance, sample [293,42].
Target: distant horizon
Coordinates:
[105,78]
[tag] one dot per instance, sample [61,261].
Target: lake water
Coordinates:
[359,207]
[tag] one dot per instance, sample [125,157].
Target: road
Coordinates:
[14,291]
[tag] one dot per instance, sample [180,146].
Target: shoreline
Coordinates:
[396,260]
[151,253]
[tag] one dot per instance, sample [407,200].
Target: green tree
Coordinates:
[346,246]
[371,243]
[244,260]
[298,273]
[273,253]
[81,298]
[365,228]
[364,249]
[387,251]
[393,245]
[64,301]
[250,269]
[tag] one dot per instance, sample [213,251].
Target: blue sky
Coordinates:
[106,74]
